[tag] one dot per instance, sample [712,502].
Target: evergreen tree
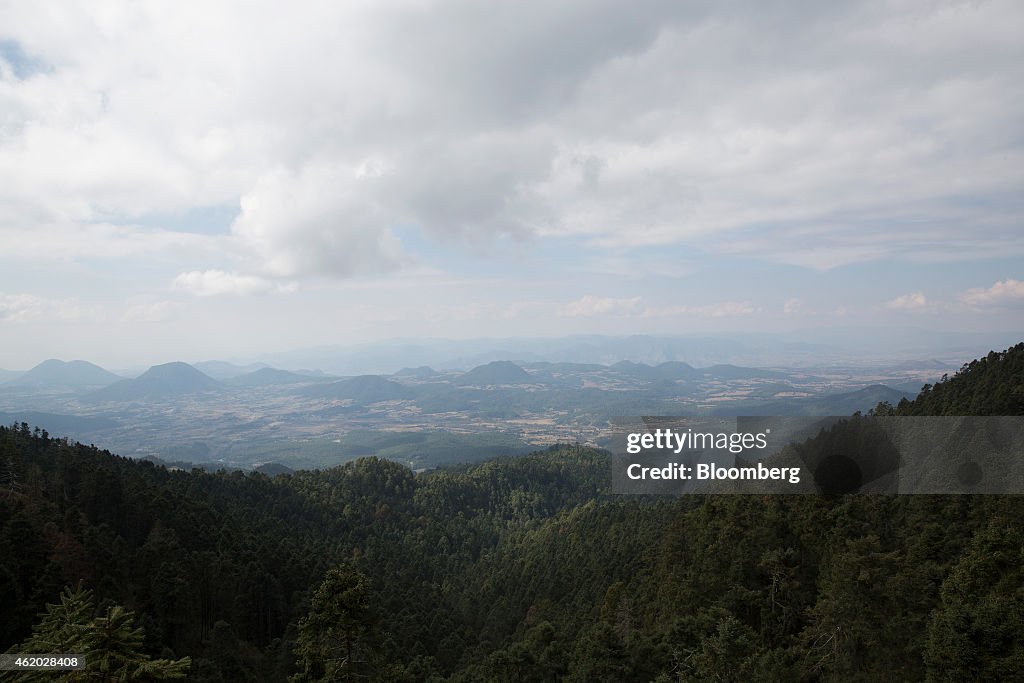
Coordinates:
[339,638]
[111,644]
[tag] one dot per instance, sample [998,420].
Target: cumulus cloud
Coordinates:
[1003,293]
[317,222]
[908,302]
[214,282]
[819,136]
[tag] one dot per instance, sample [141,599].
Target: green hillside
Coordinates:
[993,385]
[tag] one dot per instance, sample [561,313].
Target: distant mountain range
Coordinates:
[178,412]
[265,377]
[812,347]
[296,417]
[386,356]
[160,381]
[453,390]
[670,370]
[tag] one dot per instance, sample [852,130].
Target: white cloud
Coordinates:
[18,308]
[727,309]
[830,135]
[594,306]
[793,306]
[908,302]
[590,305]
[488,311]
[320,221]
[214,282]
[1003,293]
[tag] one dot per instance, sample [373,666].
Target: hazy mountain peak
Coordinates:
[221,370]
[160,381]
[55,373]
[496,372]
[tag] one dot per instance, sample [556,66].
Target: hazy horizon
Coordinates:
[823,347]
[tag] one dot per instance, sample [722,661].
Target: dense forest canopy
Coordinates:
[516,569]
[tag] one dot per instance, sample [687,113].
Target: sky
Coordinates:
[224,179]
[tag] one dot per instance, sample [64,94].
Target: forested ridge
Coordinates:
[993,385]
[516,569]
